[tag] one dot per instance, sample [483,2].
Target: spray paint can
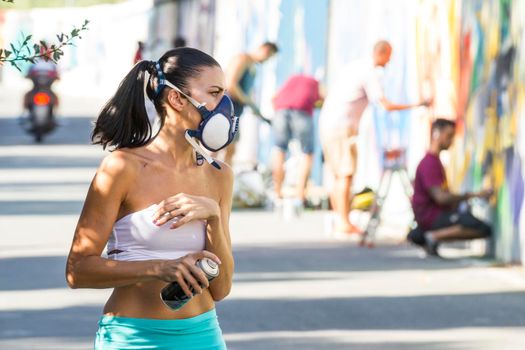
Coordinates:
[174,297]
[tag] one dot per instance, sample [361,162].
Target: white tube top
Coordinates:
[136,237]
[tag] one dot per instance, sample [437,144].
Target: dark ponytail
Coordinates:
[123,122]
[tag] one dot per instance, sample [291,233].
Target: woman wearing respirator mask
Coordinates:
[157,209]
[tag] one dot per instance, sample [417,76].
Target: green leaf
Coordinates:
[21,50]
[26,40]
[15,65]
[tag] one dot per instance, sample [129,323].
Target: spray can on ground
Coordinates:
[174,297]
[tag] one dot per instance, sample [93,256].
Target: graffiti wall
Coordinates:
[469,56]
[478,78]
[490,109]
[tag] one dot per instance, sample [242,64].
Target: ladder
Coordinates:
[394,162]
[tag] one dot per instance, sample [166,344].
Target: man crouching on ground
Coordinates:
[435,207]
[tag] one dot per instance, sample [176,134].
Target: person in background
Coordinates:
[294,104]
[42,73]
[240,77]
[436,209]
[139,53]
[179,41]
[357,86]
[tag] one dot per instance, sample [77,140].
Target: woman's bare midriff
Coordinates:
[143,300]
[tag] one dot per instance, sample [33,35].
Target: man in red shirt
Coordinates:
[294,105]
[435,207]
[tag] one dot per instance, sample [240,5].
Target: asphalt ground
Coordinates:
[295,287]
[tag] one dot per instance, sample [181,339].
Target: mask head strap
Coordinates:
[162,79]
[192,100]
[163,82]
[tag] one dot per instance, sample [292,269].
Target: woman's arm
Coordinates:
[218,238]
[86,268]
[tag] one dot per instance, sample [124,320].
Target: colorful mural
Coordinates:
[472,62]
[469,56]
[491,103]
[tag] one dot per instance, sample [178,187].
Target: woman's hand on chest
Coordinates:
[187,208]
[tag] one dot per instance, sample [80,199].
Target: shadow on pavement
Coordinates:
[343,344]
[322,256]
[427,312]
[37,207]
[72,131]
[46,161]
[36,184]
[31,273]
[79,321]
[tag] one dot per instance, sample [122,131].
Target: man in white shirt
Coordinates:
[358,85]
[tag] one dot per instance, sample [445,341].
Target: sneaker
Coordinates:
[416,237]
[431,245]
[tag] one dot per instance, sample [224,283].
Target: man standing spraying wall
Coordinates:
[357,86]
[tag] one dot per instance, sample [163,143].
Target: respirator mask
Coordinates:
[217,128]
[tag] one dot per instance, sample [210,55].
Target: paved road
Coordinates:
[294,288]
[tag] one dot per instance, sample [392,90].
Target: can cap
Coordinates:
[209,267]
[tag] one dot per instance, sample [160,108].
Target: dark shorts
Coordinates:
[465,219]
[290,123]
[447,219]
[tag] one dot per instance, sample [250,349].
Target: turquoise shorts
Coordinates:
[196,333]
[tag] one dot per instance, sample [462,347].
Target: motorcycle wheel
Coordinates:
[39,137]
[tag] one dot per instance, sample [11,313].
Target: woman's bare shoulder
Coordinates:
[223,176]
[123,163]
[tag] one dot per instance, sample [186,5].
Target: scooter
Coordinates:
[40,103]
